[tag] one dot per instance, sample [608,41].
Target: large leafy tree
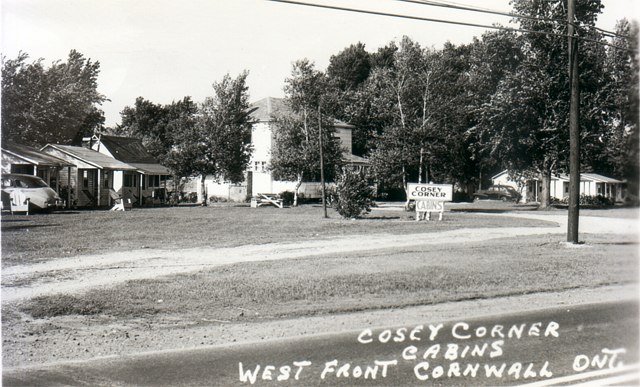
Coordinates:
[492,56]
[619,140]
[425,93]
[219,141]
[526,120]
[55,104]
[157,125]
[296,152]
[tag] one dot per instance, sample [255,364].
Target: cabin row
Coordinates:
[93,175]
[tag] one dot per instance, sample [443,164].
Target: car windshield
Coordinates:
[29,182]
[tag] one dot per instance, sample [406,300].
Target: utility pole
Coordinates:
[574,129]
[324,199]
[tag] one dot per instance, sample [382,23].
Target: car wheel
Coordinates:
[504,198]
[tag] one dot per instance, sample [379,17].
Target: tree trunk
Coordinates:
[203,190]
[545,195]
[295,191]
[420,166]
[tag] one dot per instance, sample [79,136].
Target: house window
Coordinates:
[130,180]
[85,178]
[154,181]
[106,179]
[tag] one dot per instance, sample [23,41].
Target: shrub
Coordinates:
[352,196]
[586,200]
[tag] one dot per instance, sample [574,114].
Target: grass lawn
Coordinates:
[40,237]
[318,285]
[354,282]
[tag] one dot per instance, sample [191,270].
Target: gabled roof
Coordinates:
[127,149]
[266,108]
[32,155]
[91,157]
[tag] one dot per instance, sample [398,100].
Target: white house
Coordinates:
[591,184]
[258,176]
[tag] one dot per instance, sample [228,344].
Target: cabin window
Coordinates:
[130,180]
[154,181]
[85,178]
[106,179]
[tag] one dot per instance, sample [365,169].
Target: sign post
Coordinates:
[429,198]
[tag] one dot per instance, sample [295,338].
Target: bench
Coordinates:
[265,199]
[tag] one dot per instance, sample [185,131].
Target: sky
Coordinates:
[164,50]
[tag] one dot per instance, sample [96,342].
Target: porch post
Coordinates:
[69,186]
[99,187]
[140,189]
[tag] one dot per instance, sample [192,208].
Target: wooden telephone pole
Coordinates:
[324,198]
[574,129]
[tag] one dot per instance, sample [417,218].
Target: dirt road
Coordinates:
[81,273]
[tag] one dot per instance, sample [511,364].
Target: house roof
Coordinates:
[32,155]
[151,169]
[127,149]
[91,157]
[266,108]
[598,178]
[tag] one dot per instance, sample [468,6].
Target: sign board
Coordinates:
[432,192]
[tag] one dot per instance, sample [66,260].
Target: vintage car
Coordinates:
[498,192]
[40,195]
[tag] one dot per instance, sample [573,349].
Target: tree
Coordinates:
[156,125]
[43,105]
[296,151]
[620,140]
[492,56]
[526,121]
[423,91]
[219,141]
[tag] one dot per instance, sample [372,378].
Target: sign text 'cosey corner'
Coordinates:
[435,192]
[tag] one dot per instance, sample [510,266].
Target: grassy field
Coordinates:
[388,279]
[45,236]
[318,285]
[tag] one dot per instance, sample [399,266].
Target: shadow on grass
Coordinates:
[481,210]
[18,227]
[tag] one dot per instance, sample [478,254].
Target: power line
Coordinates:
[475,9]
[495,27]
[456,6]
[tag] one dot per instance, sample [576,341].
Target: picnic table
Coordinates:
[265,199]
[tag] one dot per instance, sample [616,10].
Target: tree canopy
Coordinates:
[57,104]
[296,151]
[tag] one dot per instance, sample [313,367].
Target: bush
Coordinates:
[352,196]
[586,200]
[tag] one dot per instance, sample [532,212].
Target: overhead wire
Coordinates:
[462,7]
[444,21]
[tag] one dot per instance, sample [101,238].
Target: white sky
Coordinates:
[164,50]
